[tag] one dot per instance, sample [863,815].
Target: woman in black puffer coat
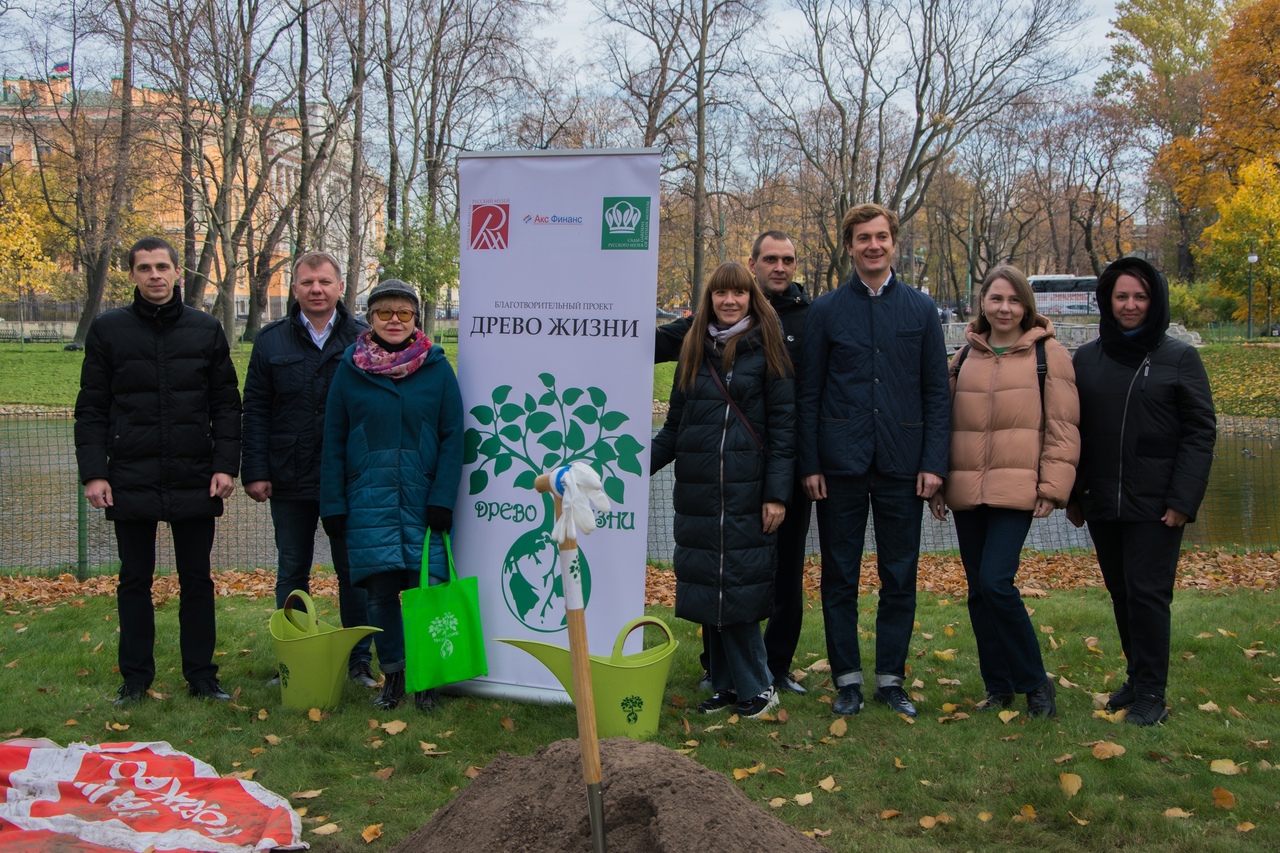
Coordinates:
[734,469]
[1147,430]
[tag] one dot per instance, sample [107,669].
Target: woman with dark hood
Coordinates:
[1147,430]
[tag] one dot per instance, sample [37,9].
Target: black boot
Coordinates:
[426,701]
[392,691]
[1040,702]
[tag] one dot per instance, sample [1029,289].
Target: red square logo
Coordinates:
[489,224]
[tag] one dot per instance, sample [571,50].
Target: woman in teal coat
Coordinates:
[391,464]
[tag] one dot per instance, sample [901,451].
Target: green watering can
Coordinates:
[627,689]
[313,654]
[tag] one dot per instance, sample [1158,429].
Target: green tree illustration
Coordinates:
[557,428]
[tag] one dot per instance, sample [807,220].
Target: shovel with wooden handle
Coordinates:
[575,616]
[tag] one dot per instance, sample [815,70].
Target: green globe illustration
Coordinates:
[531,583]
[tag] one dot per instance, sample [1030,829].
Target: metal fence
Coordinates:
[47,529]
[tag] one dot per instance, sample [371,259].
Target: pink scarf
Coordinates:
[371,358]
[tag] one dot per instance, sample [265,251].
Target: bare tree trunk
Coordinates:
[355,222]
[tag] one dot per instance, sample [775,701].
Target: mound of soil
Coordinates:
[655,801]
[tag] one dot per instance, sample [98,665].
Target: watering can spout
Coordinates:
[552,657]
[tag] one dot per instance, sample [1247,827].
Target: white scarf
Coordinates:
[722,336]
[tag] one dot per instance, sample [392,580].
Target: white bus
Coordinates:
[1065,294]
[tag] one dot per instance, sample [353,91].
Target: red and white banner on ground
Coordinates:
[93,798]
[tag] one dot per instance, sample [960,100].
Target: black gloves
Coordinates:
[335,526]
[439,519]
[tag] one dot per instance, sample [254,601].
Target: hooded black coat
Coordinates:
[724,561]
[158,411]
[1147,425]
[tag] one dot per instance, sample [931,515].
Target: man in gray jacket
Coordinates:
[285,392]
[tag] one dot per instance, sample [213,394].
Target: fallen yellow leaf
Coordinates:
[274,740]
[803,799]
[911,721]
[1225,766]
[838,727]
[71,722]
[1176,812]
[1064,758]
[306,795]
[741,773]
[384,774]
[889,813]
[394,727]
[944,818]
[315,715]
[948,654]
[471,772]
[508,724]
[1209,706]
[1102,750]
[1070,783]
[1244,827]
[327,829]
[1078,820]
[262,714]
[371,833]
[1026,814]
[985,816]
[949,707]
[777,803]
[1007,715]
[897,762]
[1223,799]
[928,822]
[240,774]
[826,784]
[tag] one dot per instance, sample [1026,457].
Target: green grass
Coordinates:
[1245,379]
[47,375]
[961,768]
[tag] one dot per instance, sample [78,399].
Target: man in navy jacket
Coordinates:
[285,392]
[874,414]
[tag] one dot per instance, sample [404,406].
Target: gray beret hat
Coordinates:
[394,287]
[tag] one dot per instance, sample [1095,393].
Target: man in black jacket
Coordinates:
[874,417]
[285,392]
[158,439]
[773,263]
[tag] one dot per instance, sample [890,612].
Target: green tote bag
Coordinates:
[443,637]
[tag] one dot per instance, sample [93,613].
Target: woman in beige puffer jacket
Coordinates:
[1013,457]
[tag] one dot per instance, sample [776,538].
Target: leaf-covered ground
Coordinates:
[939,573]
[1245,379]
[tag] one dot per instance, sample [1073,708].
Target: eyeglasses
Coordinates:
[404,315]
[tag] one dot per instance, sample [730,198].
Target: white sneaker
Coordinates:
[757,705]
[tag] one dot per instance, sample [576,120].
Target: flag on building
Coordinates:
[63,67]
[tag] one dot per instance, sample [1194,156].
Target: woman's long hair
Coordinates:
[1021,287]
[732,276]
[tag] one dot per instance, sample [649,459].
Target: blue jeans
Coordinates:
[295,526]
[384,603]
[738,661]
[990,547]
[842,527]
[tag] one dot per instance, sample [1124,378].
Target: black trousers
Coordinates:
[1139,562]
[192,543]
[782,633]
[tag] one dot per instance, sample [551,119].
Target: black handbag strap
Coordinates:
[715,375]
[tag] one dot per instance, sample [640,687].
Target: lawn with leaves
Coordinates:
[1245,379]
[945,782]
